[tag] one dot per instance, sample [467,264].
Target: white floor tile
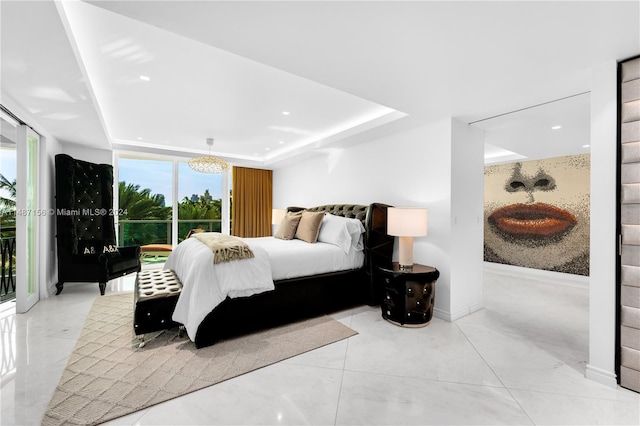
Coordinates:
[553,409]
[386,400]
[438,352]
[520,360]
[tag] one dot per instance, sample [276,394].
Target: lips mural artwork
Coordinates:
[537,214]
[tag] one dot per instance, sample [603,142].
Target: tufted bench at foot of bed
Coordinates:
[155,297]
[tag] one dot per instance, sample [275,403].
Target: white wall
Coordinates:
[602,281]
[409,168]
[90,154]
[467,219]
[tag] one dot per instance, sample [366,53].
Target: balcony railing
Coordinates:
[148,231]
[8,264]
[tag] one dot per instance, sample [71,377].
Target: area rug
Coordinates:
[109,376]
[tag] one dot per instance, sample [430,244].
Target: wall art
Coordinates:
[536,214]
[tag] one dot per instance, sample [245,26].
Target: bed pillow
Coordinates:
[309,226]
[343,232]
[288,225]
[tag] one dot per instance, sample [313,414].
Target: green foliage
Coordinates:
[204,208]
[8,203]
[135,203]
[141,204]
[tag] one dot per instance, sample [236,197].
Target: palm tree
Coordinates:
[191,212]
[188,209]
[135,203]
[8,203]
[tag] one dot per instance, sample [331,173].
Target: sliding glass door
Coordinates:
[28,216]
[7,208]
[161,199]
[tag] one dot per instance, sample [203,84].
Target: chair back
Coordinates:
[84,207]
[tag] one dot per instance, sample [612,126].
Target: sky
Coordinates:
[156,176]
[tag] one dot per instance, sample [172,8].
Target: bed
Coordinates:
[292,293]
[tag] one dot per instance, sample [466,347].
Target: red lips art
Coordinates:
[532,220]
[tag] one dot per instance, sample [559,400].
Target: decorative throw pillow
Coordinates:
[309,226]
[343,232]
[288,225]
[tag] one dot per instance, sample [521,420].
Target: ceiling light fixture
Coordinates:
[556,127]
[145,78]
[285,113]
[208,163]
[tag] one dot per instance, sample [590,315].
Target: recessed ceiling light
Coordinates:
[556,127]
[139,138]
[586,146]
[281,142]
[145,78]
[285,113]
[267,149]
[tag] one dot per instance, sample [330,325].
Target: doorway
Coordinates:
[20,174]
[522,140]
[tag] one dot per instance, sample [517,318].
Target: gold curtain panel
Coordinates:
[251,202]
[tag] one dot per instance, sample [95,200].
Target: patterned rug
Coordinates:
[109,376]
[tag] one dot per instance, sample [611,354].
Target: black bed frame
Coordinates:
[306,297]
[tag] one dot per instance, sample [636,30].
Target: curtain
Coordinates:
[251,202]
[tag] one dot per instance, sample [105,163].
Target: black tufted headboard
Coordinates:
[357,211]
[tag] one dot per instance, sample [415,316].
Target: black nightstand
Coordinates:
[408,294]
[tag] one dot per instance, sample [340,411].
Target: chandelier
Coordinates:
[208,163]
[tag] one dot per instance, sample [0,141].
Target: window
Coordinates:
[149,189]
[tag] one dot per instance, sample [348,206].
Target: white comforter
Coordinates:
[206,285]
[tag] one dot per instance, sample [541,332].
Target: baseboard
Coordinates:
[601,376]
[443,315]
[549,276]
[450,317]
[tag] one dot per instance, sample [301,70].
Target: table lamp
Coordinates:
[406,223]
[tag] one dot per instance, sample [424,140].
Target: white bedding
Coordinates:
[297,258]
[206,285]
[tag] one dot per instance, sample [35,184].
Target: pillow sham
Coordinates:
[309,226]
[288,225]
[343,232]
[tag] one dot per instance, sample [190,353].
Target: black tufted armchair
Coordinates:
[86,238]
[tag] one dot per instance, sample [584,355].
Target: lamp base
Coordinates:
[405,253]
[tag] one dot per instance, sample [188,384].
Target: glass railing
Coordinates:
[139,232]
[8,264]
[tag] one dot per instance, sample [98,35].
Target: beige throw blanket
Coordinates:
[224,247]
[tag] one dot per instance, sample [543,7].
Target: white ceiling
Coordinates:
[553,129]
[346,71]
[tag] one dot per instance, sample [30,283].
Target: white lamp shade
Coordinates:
[277,215]
[407,221]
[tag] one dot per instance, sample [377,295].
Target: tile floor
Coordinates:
[519,361]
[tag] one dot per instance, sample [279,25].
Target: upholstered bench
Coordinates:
[155,297]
